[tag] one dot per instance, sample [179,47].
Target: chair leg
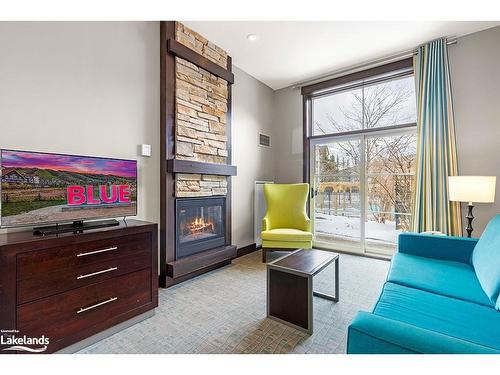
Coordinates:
[264,255]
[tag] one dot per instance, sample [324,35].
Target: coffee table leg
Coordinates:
[334,298]
[337,280]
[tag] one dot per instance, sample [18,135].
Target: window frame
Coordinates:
[379,74]
[328,86]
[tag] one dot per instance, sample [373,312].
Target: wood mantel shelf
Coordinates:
[180,50]
[188,166]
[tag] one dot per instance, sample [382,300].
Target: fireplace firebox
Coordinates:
[200,225]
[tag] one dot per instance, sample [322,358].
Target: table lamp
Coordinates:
[471,189]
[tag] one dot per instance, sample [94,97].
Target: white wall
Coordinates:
[475,62]
[90,88]
[474,65]
[252,112]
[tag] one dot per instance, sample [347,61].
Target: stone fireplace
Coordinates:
[200,123]
[195,222]
[200,225]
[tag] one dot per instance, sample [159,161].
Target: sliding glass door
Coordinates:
[362,189]
[337,200]
[362,147]
[389,175]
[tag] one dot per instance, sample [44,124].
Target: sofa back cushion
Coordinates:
[486,260]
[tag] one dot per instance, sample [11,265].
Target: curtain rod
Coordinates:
[364,66]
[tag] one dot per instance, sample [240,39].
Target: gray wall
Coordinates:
[474,65]
[89,88]
[288,145]
[475,62]
[252,112]
[93,88]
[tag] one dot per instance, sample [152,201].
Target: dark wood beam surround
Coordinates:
[229,230]
[180,50]
[382,69]
[189,166]
[167,138]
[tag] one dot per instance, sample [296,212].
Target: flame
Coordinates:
[200,225]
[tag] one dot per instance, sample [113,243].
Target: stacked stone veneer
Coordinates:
[201,108]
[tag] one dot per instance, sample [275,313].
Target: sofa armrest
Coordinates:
[457,249]
[373,334]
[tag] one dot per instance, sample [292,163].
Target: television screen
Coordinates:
[42,188]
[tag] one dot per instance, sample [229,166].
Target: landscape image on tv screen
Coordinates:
[39,188]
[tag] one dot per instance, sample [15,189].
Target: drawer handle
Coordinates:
[83,309]
[97,251]
[96,273]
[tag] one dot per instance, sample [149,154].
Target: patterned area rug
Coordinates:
[224,311]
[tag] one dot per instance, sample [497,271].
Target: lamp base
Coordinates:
[469,217]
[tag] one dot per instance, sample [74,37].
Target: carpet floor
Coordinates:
[224,311]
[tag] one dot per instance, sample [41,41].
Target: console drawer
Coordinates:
[52,271]
[78,310]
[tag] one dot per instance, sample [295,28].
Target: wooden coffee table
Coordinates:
[290,286]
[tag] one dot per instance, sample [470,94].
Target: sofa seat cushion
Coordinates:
[486,259]
[448,278]
[286,234]
[463,320]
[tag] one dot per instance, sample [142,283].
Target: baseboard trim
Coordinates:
[247,250]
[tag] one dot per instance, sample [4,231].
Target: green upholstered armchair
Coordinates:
[286,224]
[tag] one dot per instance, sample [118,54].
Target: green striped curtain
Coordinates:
[436,146]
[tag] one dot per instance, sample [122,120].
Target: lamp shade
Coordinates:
[472,189]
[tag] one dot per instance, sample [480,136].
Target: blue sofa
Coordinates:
[441,296]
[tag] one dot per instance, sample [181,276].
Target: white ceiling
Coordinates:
[287,52]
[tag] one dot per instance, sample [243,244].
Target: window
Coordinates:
[388,103]
[362,151]
[339,112]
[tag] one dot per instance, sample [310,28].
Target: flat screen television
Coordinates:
[44,188]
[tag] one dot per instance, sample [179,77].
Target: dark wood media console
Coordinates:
[69,287]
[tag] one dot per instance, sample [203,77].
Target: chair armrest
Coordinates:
[373,334]
[265,223]
[457,249]
[307,224]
